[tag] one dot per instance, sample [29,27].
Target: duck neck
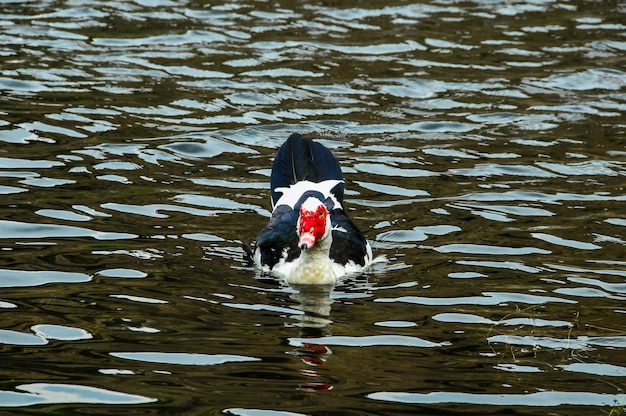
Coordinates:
[319,252]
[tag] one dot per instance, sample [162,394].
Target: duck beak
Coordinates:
[307,240]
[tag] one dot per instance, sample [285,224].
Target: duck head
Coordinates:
[313,223]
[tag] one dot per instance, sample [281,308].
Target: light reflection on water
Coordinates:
[483,147]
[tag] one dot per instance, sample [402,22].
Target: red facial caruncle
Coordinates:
[311,224]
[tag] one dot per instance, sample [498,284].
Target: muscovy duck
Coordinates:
[309,238]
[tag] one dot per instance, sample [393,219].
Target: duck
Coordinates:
[310,239]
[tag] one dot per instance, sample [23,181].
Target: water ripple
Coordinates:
[25,278]
[475,319]
[488,298]
[374,340]
[183,358]
[56,393]
[541,399]
[136,142]
[490,250]
[19,230]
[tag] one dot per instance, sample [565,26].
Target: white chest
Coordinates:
[309,270]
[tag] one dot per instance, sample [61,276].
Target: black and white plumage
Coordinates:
[309,238]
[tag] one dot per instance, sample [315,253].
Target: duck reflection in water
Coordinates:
[314,323]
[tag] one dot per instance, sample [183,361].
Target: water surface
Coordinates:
[484,153]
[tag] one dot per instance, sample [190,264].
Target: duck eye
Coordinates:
[321,214]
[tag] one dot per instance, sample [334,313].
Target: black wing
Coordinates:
[350,244]
[299,159]
[279,236]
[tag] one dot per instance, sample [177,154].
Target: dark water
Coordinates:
[483,144]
